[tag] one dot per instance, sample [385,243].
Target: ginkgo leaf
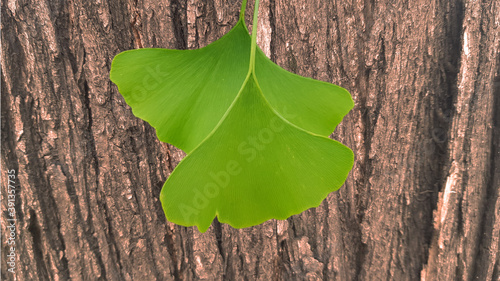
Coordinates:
[253,167]
[183,94]
[254,133]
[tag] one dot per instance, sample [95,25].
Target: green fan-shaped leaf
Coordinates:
[255,134]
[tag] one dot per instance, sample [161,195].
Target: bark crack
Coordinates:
[135,25]
[36,235]
[172,252]
[180,33]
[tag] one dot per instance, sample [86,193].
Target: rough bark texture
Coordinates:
[422,201]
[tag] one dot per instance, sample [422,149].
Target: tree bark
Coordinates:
[422,201]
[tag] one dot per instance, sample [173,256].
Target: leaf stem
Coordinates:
[254,36]
[242,11]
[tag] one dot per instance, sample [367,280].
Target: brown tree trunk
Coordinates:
[422,201]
